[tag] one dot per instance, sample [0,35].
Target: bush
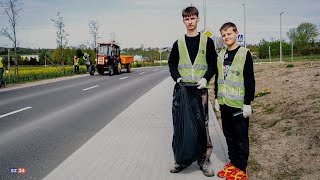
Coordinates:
[290,65]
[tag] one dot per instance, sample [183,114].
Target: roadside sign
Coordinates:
[240,38]
[208,32]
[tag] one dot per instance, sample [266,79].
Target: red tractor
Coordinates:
[109,59]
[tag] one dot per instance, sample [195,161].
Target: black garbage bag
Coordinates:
[189,132]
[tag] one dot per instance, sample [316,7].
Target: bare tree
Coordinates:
[62,40]
[94,31]
[11,9]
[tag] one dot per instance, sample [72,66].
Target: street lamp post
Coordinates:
[244,11]
[280,39]
[160,52]
[269,54]
[205,14]
[9,64]
[292,51]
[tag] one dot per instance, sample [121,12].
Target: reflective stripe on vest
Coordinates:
[231,90]
[230,83]
[192,72]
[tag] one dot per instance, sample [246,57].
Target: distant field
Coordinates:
[34,73]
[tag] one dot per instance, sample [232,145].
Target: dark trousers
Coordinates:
[87,67]
[207,154]
[236,130]
[1,77]
[76,69]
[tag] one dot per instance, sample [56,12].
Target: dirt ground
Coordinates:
[285,126]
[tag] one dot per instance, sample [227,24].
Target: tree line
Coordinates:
[65,56]
[303,40]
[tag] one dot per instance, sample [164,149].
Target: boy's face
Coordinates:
[229,37]
[191,22]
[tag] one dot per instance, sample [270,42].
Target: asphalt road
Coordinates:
[40,126]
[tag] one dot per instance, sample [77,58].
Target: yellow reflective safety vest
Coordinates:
[231,90]
[76,61]
[1,64]
[192,72]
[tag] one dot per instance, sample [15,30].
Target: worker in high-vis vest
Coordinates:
[76,64]
[234,91]
[193,60]
[2,67]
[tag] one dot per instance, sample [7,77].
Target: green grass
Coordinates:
[270,110]
[253,165]
[289,133]
[288,130]
[270,124]
[252,138]
[288,59]
[145,64]
[290,65]
[35,73]
[288,174]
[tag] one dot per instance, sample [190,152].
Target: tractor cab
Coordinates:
[108,58]
[107,52]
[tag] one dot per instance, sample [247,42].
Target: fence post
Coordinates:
[9,64]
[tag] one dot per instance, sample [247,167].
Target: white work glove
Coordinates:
[202,83]
[247,111]
[7,71]
[216,105]
[179,79]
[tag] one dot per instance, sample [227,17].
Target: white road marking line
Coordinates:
[155,70]
[124,78]
[13,112]
[142,73]
[90,88]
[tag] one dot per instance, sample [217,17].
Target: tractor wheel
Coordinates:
[129,68]
[110,71]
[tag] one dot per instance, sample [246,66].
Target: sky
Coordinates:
[154,23]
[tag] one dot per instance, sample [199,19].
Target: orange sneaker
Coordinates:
[227,170]
[237,174]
